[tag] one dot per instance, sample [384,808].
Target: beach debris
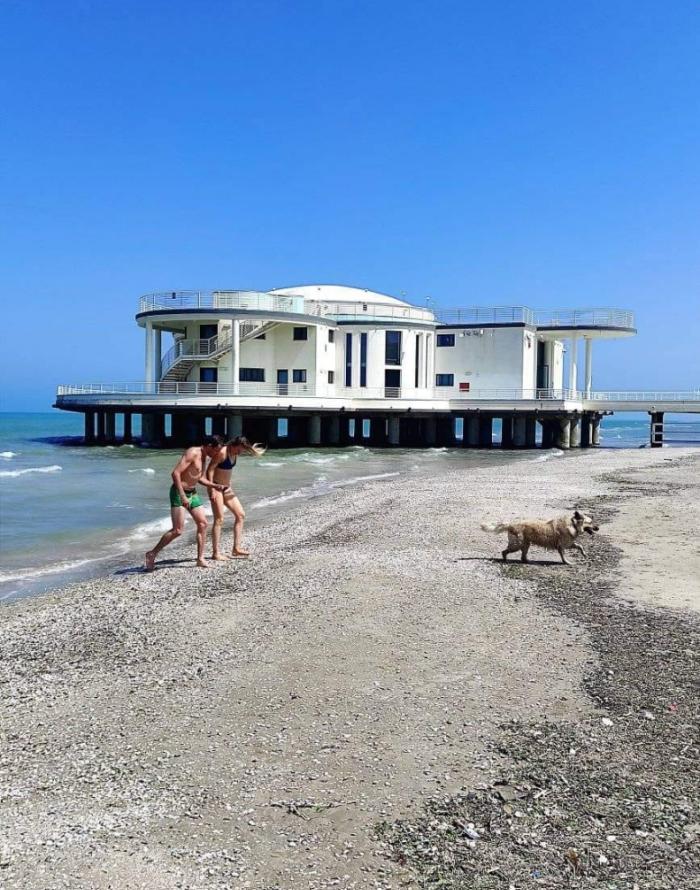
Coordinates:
[606,721]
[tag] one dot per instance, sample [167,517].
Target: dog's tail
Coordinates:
[499,527]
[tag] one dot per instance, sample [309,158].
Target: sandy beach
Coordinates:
[374,700]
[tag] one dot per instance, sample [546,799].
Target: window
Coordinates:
[251,375]
[445,340]
[348,359]
[299,375]
[331,336]
[301,334]
[444,380]
[363,359]
[331,376]
[207,331]
[208,375]
[393,348]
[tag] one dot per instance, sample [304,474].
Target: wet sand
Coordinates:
[252,724]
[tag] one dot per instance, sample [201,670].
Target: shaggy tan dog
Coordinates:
[555,534]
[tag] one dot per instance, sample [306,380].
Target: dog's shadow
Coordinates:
[548,563]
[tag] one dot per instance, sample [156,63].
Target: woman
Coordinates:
[219,472]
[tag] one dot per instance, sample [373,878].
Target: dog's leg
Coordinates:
[525,548]
[580,549]
[513,547]
[563,558]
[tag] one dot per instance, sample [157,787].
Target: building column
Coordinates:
[127,427]
[157,356]
[218,425]
[234,425]
[148,378]
[575,431]
[272,430]
[585,430]
[519,431]
[595,430]
[563,433]
[148,428]
[573,360]
[89,427]
[530,431]
[485,431]
[656,431]
[394,429]
[110,427]
[587,368]
[314,429]
[334,430]
[507,431]
[471,430]
[100,426]
[429,430]
[235,355]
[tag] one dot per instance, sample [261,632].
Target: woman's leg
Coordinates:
[236,508]
[217,506]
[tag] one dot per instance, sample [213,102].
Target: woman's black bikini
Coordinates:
[226,464]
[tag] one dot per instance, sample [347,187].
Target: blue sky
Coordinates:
[540,153]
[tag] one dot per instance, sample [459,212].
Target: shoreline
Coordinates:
[251,727]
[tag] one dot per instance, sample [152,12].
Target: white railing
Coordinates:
[544,318]
[221,299]
[195,350]
[192,388]
[352,311]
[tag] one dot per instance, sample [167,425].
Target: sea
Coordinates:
[69,513]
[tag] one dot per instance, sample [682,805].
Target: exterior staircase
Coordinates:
[179,360]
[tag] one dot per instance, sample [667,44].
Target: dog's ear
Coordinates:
[577,515]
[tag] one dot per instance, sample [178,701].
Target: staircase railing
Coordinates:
[194,350]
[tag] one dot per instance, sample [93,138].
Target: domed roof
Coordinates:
[339,293]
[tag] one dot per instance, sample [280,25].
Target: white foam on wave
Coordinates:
[8,455]
[320,486]
[555,452]
[14,473]
[52,569]
[149,471]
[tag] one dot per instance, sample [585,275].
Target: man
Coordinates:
[188,473]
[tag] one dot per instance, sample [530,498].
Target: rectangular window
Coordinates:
[445,340]
[251,375]
[331,376]
[393,348]
[363,359]
[444,380]
[301,333]
[331,336]
[299,375]
[348,359]
[208,375]
[207,331]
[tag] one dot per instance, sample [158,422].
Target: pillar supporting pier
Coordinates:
[234,425]
[471,430]
[127,428]
[314,429]
[89,427]
[575,431]
[430,431]
[485,431]
[110,427]
[394,432]
[595,430]
[530,431]
[507,423]
[519,431]
[101,427]
[334,430]
[563,432]
[656,429]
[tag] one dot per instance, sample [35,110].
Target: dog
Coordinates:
[555,534]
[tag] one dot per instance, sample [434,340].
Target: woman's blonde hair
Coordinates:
[255,449]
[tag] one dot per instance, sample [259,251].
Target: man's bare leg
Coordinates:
[236,508]
[200,517]
[177,514]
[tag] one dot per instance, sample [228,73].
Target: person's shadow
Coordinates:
[161,564]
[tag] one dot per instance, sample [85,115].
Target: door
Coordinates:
[392,384]
[282,382]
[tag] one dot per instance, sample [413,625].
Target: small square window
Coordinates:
[445,339]
[331,376]
[299,375]
[331,336]
[301,334]
[444,380]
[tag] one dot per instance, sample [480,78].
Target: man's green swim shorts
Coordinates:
[192,497]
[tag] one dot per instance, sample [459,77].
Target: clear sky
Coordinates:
[502,152]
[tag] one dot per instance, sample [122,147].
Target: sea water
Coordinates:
[68,512]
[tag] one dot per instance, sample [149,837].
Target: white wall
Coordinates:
[376,358]
[486,358]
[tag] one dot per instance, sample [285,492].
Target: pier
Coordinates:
[176,414]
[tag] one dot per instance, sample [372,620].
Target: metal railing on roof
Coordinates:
[221,299]
[357,311]
[544,318]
